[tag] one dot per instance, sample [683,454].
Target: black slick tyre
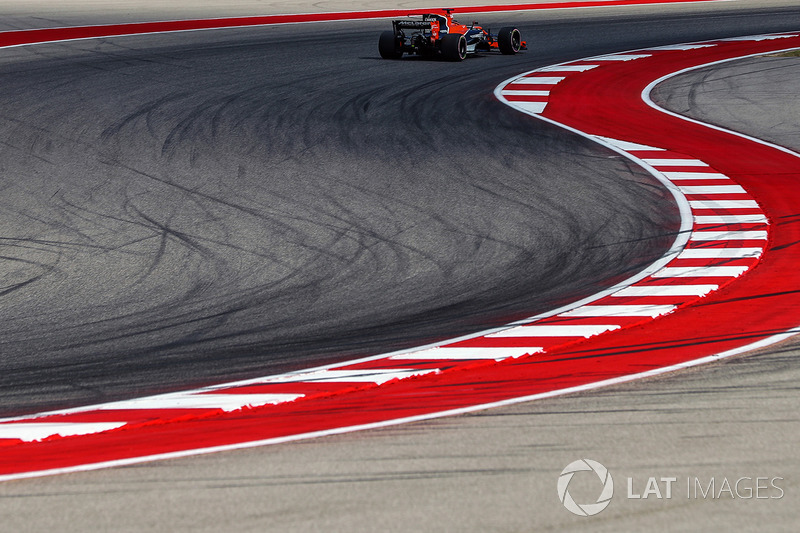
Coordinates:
[390,46]
[509,40]
[454,47]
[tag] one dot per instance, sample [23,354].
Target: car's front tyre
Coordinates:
[509,40]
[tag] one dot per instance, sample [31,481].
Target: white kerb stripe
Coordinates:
[531,107]
[701,272]
[33,431]
[675,162]
[620,310]
[666,290]
[723,204]
[695,176]
[467,353]
[731,219]
[225,402]
[620,57]
[721,253]
[525,93]
[759,38]
[728,236]
[629,146]
[555,330]
[681,47]
[538,80]
[712,189]
[377,376]
[567,68]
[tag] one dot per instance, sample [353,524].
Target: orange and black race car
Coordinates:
[437,34]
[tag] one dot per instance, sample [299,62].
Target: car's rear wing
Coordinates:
[412,25]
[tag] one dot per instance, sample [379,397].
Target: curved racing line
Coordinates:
[738,216]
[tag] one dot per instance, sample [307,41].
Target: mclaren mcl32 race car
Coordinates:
[438,35]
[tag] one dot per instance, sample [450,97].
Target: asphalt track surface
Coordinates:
[187,209]
[181,210]
[350,445]
[217,209]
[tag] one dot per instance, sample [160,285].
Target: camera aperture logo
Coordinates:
[602,473]
[587,478]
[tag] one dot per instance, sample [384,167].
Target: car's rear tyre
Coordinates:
[390,45]
[509,40]
[454,47]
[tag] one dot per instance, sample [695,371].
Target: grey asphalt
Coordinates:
[190,209]
[181,210]
[495,470]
